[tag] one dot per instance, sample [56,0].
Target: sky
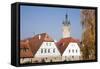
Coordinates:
[35,20]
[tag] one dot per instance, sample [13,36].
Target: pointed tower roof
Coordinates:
[66,21]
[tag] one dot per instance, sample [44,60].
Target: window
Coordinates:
[45,50]
[47,44]
[69,51]
[72,56]
[41,50]
[48,50]
[73,50]
[53,50]
[76,51]
[26,49]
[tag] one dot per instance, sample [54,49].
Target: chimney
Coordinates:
[39,36]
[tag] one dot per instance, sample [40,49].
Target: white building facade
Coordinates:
[72,52]
[48,52]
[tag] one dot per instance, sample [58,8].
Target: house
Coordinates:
[25,52]
[68,46]
[69,49]
[44,48]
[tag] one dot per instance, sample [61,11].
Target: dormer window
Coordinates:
[25,49]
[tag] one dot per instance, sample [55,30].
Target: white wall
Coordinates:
[47,45]
[66,32]
[5,46]
[72,46]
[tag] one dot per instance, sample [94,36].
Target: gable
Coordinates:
[64,42]
[72,49]
[47,49]
[73,46]
[36,41]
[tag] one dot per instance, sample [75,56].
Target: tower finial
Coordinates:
[66,16]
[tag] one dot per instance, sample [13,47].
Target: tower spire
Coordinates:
[66,20]
[66,16]
[66,27]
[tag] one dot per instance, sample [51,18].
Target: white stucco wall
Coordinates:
[66,31]
[48,45]
[72,46]
[71,55]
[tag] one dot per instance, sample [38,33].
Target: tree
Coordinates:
[88,35]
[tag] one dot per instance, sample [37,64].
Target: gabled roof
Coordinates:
[37,40]
[33,44]
[25,51]
[63,43]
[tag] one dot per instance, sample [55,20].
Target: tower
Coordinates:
[66,27]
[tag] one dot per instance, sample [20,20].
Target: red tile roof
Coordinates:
[25,51]
[63,43]
[34,43]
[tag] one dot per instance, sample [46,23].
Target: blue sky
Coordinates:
[35,20]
